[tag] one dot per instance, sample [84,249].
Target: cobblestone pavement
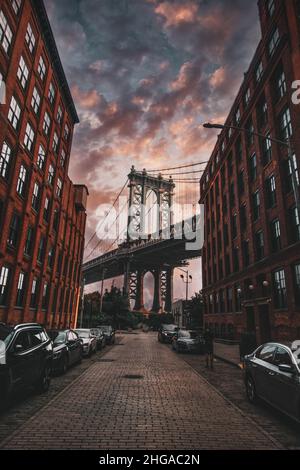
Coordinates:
[229,381]
[142,395]
[26,404]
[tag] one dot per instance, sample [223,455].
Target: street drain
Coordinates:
[106,360]
[133,376]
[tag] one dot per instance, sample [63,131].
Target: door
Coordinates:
[72,346]
[20,360]
[286,386]
[263,367]
[264,323]
[251,327]
[38,353]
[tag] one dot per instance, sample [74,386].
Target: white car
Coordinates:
[89,341]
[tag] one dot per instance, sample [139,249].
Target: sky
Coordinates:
[144,75]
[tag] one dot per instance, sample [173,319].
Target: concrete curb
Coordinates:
[228,361]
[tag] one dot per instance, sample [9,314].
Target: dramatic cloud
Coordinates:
[145,74]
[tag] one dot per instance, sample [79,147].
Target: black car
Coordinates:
[272,373]
[67,349]
[109,333]
[166,333]
[188,341]
[26,356]
[101,341]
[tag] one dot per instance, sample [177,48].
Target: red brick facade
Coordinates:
[42,214]
[251,277]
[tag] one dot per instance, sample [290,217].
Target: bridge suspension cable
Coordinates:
[189,165]
[101,225]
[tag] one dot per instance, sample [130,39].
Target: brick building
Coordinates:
[42,213]
[251,256]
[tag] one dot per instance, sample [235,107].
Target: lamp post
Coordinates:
[102,286]
[284,143]
[187,279]
[82,302]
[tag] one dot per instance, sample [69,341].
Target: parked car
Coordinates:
[188,341]
[67,349]
[25,358]
[272,373]
[166,333]
[101,341]
[88,340]
[109,333]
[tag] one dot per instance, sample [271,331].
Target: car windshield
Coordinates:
[170,328]
[58,337]
[96,332]
[5,333]
[83,333]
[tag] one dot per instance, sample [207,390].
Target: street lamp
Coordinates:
[102,286]
[286,143]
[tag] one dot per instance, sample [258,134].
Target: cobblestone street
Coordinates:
[140,395]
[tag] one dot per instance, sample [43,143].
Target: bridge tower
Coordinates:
[140,184]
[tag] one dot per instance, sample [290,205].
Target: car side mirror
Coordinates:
[287,368]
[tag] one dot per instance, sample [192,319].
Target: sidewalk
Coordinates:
[228,353]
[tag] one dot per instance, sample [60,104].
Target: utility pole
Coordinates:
[82,302]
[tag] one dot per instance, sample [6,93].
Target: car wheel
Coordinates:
[250,390]
[43,383]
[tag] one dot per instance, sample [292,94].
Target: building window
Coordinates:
[13,232]
[21,183]
[246,256]
[29,137]
[46,209]
[59,187]
[291,173]
[51,93]
[247,97]
[238,298]
[34,292]
[4,284]
[235,256]
[41,157]
[35,202]
[243,217]
[41,250]
[270,7]
[280,87]
[253,167]
[46,123]
[29,241]
[5,32]
[5,160]
[239,150]
[45,297]
[256,205]
[59,114]
[23,73]
[63,158]
[294,224]
[232,195]
[279,284]
[259,72]
[234,226]
[20,290]
[285,122]
[238,116]
[30,38]
[259,245]
[250,133]
[42,68]
[274,42]
[14,113]
[36,100]
[56,220]
[16,4]
[262,112]
[51,174]
[55,142]
[275,235]
[297,284]
[51,257]
[66,132]
[267,149]
[241,184]
[271,191]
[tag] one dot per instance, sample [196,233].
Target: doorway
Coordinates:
[264,323]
